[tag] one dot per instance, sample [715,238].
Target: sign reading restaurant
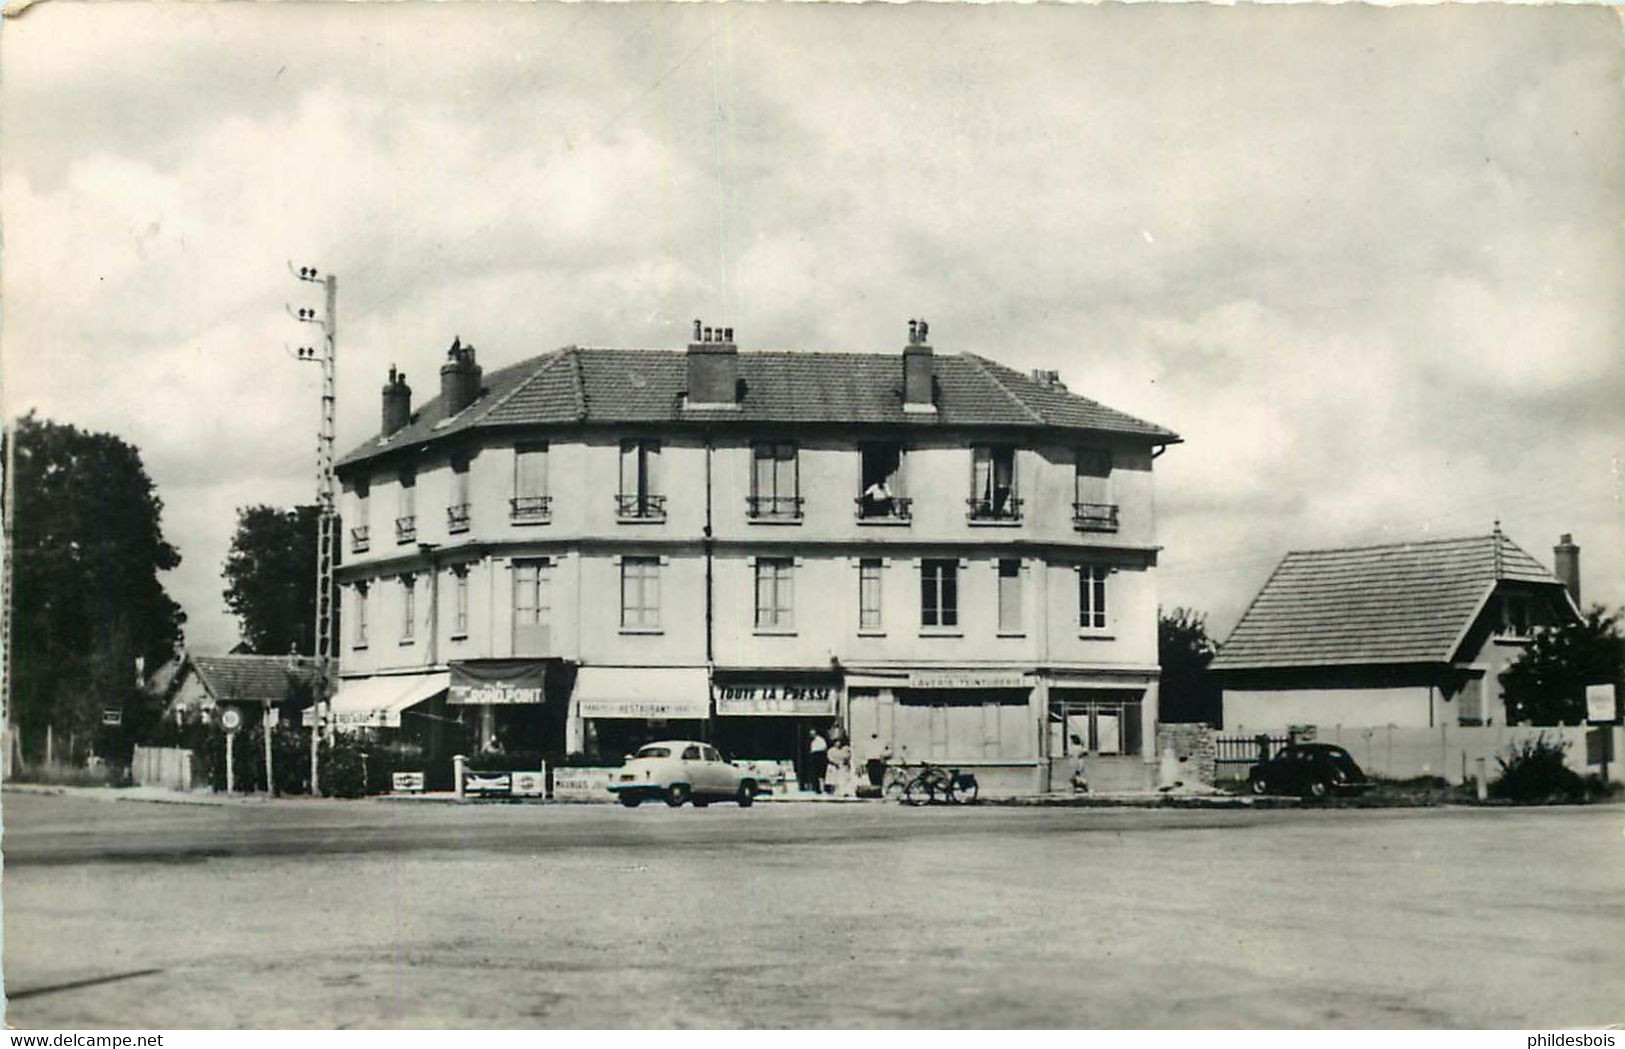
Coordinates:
[817,700]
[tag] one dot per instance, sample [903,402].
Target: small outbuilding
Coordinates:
[201,685]
[1406,635]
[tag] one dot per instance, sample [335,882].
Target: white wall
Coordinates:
[1248,711]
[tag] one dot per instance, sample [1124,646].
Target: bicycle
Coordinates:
[924,786]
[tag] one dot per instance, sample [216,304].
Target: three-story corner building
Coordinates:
[595,547]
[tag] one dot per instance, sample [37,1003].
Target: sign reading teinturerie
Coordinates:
[782,699]
[966,679]
[499,682]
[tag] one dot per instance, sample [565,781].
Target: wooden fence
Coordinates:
[170,767]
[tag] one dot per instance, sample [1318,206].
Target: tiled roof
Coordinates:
[634,385]
[1404,603]
[252,680]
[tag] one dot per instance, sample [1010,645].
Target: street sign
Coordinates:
[272,716]
[112,716]
[231,719]
[1600,704]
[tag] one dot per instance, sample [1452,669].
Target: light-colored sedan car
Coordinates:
[680,770]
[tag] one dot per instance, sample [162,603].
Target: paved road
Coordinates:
[372,914]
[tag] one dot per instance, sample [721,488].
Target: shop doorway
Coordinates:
[1101,731]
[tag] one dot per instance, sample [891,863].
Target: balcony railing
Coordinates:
[358,540]
[636,507]
[891,508]
[1094,517]
[773,507]
[406,529]
[457,518]
[998,508]
[529,509]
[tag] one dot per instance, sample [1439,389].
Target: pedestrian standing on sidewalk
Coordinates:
[840,769]
[817,761]
[875,756]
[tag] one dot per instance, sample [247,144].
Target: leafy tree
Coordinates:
[1546,686]
[1189,692]
[271,578]
[86,596]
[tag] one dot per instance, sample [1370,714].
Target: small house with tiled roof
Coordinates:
[1403,634]
[202,685]
[598,546]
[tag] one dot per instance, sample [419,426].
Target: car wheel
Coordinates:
[1257,785]
[676,794]
[630,800]
[1315,789]
[747,794]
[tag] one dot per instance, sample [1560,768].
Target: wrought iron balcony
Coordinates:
[457,518]
[1094,517]
[406,529]
[998,508]
[891,508]
[530,509]
[773,507]
[640,507]
[358,540]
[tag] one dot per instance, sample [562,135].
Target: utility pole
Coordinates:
[326,500]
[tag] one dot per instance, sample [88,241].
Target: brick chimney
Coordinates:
[713,369]
[397,402]
[1566,564]
[459,378]
[918,370]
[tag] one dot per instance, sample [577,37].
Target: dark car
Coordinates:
[1312,770]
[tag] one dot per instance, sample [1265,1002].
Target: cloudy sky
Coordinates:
[1367,261]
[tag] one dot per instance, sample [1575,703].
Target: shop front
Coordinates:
[1098,733]
[981,721]
[514,706]
[615,710]
[770,715]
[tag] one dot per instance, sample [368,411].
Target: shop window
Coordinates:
[1009,595]
[775,484]
[532,606]
[530,503]
[1092,597]
[993,484]
[775,593]
[880,490]
[1095,727]
[939,593]
[640,593]
[459,602]
[409,608]
[639,498]
[869,593]
[359,639]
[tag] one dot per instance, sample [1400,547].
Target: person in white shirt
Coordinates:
[817,760]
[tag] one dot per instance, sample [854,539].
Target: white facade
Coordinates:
[677,582]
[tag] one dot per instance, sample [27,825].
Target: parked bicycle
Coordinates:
[926,784]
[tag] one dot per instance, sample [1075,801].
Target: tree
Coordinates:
[1546,685]
[86,596]
[271,579]
[1189,692]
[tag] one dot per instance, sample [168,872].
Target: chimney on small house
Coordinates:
[459,378]
[918,369]
[397,402]
[713,368]
[1566,564]
[1048,377]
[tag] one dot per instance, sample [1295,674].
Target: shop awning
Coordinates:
[642,692]
[500,682]
[377,702]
